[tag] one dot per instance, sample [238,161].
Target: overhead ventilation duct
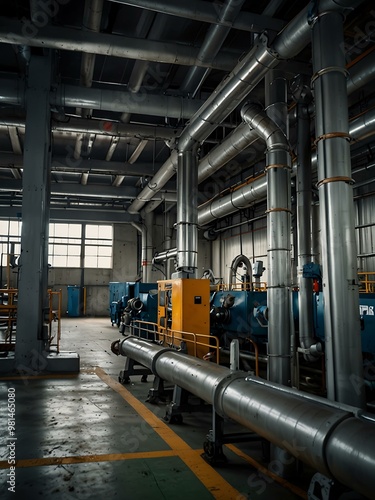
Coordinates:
[255,189]
[239,83]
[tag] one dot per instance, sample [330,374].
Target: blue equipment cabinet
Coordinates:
[74,301]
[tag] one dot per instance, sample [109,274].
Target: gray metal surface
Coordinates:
[340,280]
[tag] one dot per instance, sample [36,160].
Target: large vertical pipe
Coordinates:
[187,212]
[340,281]
[279,230]
[278,172]
[305,296]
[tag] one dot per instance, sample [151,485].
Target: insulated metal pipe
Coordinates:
[187,206]
[239,83]
[329,439]
[141,228]
[304,196]
[256,189]
[278,166]
[116,100]
[147,264]
[361,73]
[103,127]
[340,280]
[166,254]
[211,45]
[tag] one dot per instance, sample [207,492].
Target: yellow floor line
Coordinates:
[216,484]
[111,457]
[286,484]
[38,377]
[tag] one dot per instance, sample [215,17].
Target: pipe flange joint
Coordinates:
[313,15]
[157,356]
[220,389]
[340,178]
[332,135]
[263,42]
[329,69]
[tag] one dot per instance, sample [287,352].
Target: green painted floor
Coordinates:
[80,438]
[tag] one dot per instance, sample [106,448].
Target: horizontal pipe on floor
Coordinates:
[331,440]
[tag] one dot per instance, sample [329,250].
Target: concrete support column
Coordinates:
[33,277]
[339,260]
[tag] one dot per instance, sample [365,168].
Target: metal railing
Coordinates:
[366,282]
[175,338]
[54,316]
[8,315]
[261,286]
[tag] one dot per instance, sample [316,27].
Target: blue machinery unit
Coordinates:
[130,301]
[240,314]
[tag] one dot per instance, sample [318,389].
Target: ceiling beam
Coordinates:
[76,215]
[208,12]
[56,37]
[71,165]
[97,191]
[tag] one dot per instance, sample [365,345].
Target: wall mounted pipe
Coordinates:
[145,229]
[339,259]
[331,440]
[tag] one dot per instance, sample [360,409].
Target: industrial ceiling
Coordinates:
[128,76]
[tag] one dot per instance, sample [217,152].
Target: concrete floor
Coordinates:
[87,436]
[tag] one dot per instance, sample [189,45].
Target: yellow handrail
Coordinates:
[174,337]
[366,282]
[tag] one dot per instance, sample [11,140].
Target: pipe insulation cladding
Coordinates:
[331,439]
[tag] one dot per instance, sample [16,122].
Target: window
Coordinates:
[10,240]
[98,246]
[64,248]
[65,245]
